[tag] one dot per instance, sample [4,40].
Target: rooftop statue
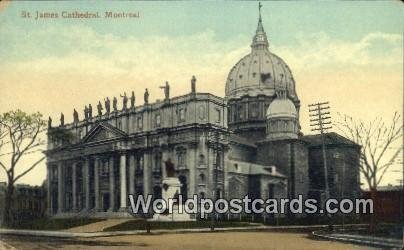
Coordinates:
[146,96]
[107,105]
[75,116]
[99,108]
[124,101]
[166,88]
[132,100]
[114,104]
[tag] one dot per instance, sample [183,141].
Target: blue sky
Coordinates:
[347,20]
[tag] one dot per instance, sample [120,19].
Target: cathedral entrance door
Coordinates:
[105,201]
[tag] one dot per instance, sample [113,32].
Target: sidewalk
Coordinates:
[68,234]
[361,239]
[5,246]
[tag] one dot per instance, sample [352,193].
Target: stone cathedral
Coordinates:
[247,143]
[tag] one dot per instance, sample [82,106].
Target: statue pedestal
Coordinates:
[170,187]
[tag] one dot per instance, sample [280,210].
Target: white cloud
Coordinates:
[319,50]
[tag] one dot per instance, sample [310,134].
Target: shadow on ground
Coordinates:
[55,242]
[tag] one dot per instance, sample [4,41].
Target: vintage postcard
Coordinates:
[201,125]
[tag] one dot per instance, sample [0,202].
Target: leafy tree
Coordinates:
[20,132]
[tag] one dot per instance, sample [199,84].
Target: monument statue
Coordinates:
[62,119]
[90,111]
[124,101]
[114,104]
[166,88]
[99,108]
[49,122]
[193,84]
[75,116]
[132,100]
[170,170]
[146,96]
[107,105]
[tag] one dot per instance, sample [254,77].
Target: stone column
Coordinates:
[191,164]
[61,194]
[111,185]
[122,172]
[97,184]
[48,187]
[164,158]
[132,163]
[74,186]
[86,178]
[146,174]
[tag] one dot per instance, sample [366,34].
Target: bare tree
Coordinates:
[20,132]
[377,139]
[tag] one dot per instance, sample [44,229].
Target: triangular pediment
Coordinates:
[103,132]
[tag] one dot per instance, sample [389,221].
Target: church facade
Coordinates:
[247,143]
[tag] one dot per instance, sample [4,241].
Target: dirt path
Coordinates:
[97,226]
[203,241]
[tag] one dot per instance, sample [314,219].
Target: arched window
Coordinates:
[201,178]
[181,158]
[201,159]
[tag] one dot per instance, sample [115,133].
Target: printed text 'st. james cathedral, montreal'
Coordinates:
[248,142]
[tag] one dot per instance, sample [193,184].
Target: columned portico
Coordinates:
[86,178]
[61,193]
[111,185]
[97,184]
[74,186]
[146,174]
[48,194]
[122,172]
[132,163]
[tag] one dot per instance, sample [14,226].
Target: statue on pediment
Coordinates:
[99,108]
[107,104]
[115,104]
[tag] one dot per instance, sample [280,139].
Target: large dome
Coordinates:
[259,72]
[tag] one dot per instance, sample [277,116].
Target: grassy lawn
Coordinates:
[142,225]
[53,224]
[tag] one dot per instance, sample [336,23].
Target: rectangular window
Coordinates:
[158,120]
[181,158]
[218,115]
[139,122]
[181,116]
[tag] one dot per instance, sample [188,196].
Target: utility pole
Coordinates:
[321,122]
[215,177]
